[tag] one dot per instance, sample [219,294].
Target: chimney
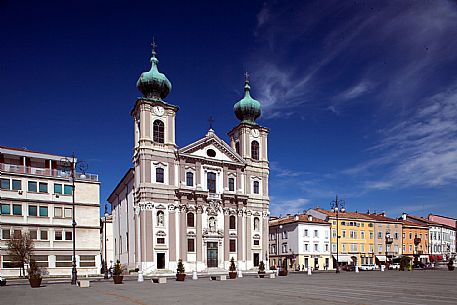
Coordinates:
[296,217]
[403,216]
[310,218]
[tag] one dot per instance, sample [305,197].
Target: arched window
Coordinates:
[237,147]
[232,222]
[256,187]
[190,220]
[255,150]
[159,175]
[256,223]
[211,181]
[158,131]
[231,184]
[189,179]
[160,218]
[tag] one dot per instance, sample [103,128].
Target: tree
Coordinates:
[20,249]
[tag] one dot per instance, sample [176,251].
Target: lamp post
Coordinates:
[337,206]
[105,267]
[388,242]
[71,164]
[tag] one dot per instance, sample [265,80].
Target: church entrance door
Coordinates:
[211,254]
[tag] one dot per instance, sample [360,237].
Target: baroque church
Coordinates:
[203,203]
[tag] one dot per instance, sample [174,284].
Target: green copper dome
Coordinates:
[154,84]
[247,110]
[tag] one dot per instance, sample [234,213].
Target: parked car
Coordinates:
[394,266]
[367,267]
[418,265]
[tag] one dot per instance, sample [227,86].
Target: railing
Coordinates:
[417,240]
[389,240]
[20,169]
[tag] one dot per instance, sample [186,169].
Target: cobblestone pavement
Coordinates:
[391,287]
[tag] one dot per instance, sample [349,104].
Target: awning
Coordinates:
[343,258]
[424,256]
[381,258]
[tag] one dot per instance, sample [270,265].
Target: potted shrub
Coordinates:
[261,271]
[180,272]
[405,263]
[117,272]
[283,271]
[450,264]
[232,269]
[34,274]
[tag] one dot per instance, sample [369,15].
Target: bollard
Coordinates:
[140,277]
[240,274]
[356,269]
[309,271]
[382,268]
[194,275]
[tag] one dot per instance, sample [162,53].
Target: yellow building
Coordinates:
[356,232]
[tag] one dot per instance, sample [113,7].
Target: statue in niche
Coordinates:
[212,224]
[256,223]
[160,218]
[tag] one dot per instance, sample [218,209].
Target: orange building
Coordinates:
[415,241]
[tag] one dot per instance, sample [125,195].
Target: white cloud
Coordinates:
[289,206]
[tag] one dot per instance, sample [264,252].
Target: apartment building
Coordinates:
[302,240]
[36,197]
[414,239]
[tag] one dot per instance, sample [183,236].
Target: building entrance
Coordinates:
[211,254]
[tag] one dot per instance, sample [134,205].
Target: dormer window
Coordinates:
[158,131]
[189,179]
[255,150]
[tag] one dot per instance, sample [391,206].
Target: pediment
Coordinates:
[223,152]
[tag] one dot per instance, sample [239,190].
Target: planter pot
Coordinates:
[118,279]
[2,282]
[261,275]
[283,273]
[180,277]
[450,268]
[232,275]
[35,282]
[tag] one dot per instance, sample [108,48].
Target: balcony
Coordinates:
[389,240]
[45,172]
[417,240]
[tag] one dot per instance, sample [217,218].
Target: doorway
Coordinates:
[211,254]
[160,260]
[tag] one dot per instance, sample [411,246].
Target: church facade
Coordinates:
[204,203]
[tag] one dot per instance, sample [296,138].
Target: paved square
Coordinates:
[392,287]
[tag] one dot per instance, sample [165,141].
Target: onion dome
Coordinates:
[154,84]
[247,110]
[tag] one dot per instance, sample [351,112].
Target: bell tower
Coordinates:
[248,138]
[154,125]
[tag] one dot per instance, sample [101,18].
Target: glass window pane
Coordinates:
[67,189]
[17,209]
[43,235]
[44,211]
[68,212]
[57,188]
[6,234]
[43,187]
[6,209]
[33,234]
[33,210]
[17,185]
[68,235]
[5,184]
[58,212]
[32,186]
[58,235]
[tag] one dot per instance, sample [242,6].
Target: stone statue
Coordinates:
[160,219]
[212,224]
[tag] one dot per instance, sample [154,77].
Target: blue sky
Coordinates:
[360,96]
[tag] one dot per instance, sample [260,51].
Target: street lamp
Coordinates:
[388,242]
[71,164]
[337,206]
[105,265]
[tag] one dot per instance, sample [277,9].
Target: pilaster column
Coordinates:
[248,237]
[226,235]
[239,236]
[183,234]
[172,233]
[199,234]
